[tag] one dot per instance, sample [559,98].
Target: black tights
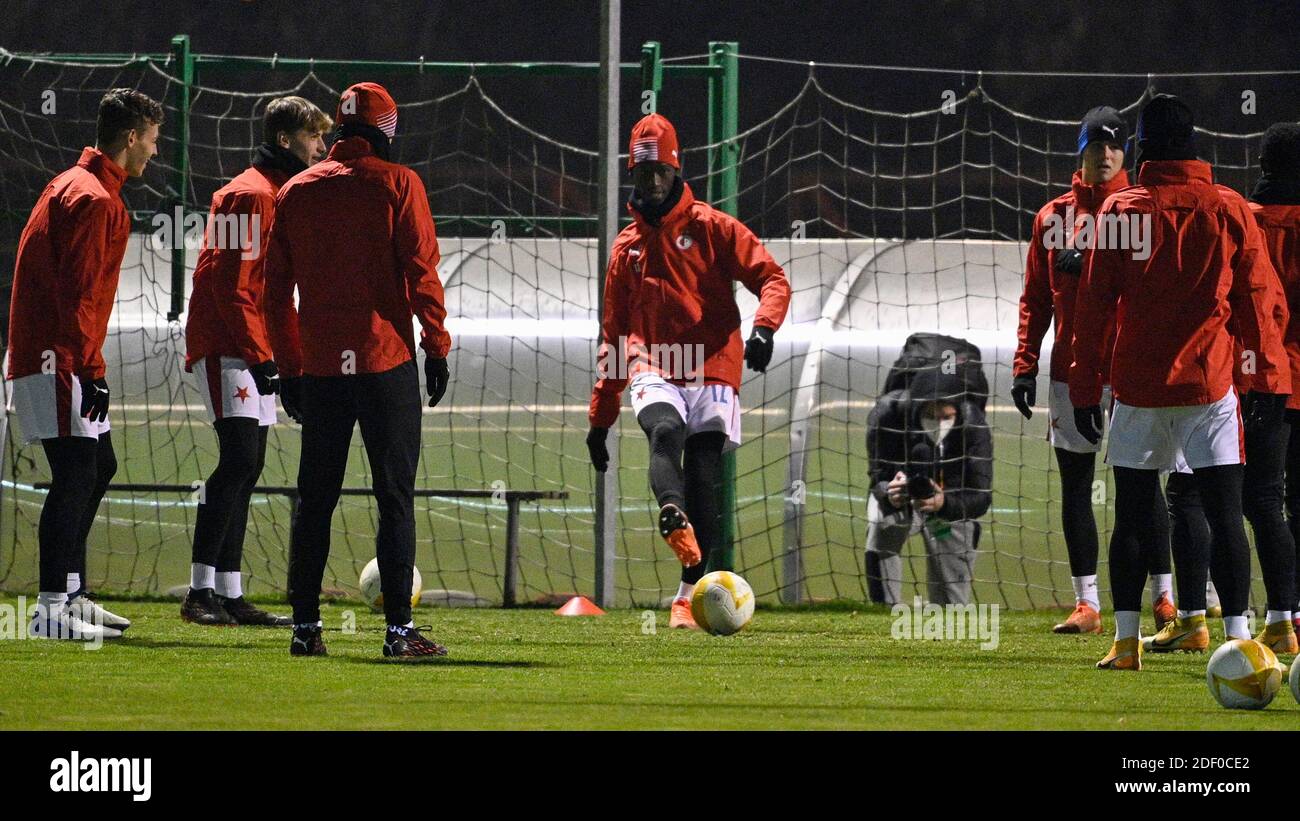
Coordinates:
[1080,527]
[1191,540]
[687,472]
[223,506]
[80,470]
[1136,534]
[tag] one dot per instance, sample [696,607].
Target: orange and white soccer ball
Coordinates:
[1295,679]
[372,590]
[723,603]
[1244,675]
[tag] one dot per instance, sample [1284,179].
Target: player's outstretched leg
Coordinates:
[703,471]
[1190,542]
[1131,542]
[1261,498]
[666,431]
[1080,529]
[81,602]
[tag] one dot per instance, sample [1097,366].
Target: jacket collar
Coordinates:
[1090,197]
[350,148]
[1174,172]
[110,174]
[679,212]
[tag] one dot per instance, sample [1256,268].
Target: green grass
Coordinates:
[528,669]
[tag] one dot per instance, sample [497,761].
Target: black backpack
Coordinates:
[923,351]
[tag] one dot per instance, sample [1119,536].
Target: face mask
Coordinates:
[936,429]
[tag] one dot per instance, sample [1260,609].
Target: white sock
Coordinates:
[1275,616]
[1127,624]
[202,576]
[230,584]
[1085,590]
[1182,614]
[1211,595]
[685,590]
[52,602]
[1162,583]
[74,582]
[1235,627]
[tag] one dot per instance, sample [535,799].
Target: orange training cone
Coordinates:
[579,606]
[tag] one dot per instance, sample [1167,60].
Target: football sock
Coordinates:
[74,584]
[1236,627]
[684,590]
[229,585]
[1190,540]
[1275,616]
[1085,590]
[1184,614]
[1077,520]
[1162,583]
[51,601]
[1127,623]
[1211,595]
[203,577]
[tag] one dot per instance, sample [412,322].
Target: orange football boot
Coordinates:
[680,615]
[1125,654]
[677,531]
[1084,619]
[1164,611]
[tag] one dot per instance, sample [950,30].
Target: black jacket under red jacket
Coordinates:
[65,279]
[355,234]
[225,310]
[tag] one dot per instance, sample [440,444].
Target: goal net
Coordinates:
[893,212]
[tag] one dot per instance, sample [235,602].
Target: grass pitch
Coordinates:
[529,669]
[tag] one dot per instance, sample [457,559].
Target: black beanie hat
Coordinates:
[1165,130]
[1102,123]
[1279,164]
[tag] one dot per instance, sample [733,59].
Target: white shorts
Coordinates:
[48,405]
[1154,438]
[711,407]
[228,390]
[1061,430]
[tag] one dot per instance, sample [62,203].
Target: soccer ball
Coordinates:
[372,591]
[1244,674]
[723,603]
[1295,679]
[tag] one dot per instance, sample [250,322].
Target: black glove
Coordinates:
[596,448]
[436,376]
[291,397]
[1024,390]
[1261,411]
[1089,422]
[1069,261]
[758,348]
[94,399]
[266,376]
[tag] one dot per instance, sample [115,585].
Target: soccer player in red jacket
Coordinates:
[671,332]
[1193,258]
[355,234]
[1053,266]
[65,280]
[1275,201]
[228,353]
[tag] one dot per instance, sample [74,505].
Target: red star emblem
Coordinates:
[242,394]
[1056,420]
[640,394]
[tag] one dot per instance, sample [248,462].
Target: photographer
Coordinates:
[931,465]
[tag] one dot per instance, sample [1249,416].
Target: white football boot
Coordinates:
[60,623]
[89,610]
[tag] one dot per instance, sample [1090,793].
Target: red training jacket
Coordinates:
[672,285]
[226,301]
[65,278]
[1173,337]
[1050,294]
[1281,227]
[355,234]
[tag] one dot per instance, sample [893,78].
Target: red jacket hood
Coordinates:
[1174,172]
